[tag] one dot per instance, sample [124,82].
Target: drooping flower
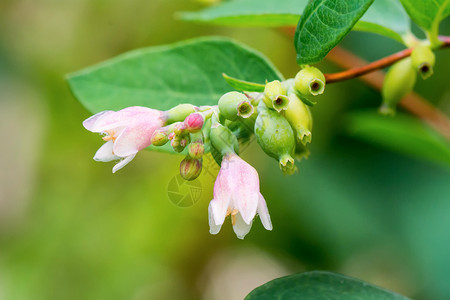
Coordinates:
[126,132]
[236,193]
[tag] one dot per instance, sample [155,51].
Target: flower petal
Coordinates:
[213,227]
[240,227]
[105,152]
[246,187]
[222,196]
[89,123]
[263,213]
[137,135]
[123,163]
[123,118]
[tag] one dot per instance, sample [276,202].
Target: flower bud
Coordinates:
[223,139]
[194,122]
[275,96]
[179,128]
[399,81]
[276,137]
[190,168]
[179,113]
[196,148]
[423,60]
[300,118]
[230,105]
[310,81]
[179,142]
[160,137]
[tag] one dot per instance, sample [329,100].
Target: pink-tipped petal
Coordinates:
[219,210]
[137,135]
[125,117]
[263,213]
[105,153]
[240,227]
[89,123]
[123,163]
[213,227]
[246,181]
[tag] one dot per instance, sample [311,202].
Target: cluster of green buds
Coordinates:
[401,77]
[279,117]
[276,113]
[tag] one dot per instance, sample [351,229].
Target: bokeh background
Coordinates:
[374,205]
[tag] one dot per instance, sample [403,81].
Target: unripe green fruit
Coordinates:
[223,140]
[423,60]
[275,96]
[399,81]
[276,137]
[300,118]
[309,81]
[190,168]
[230,105]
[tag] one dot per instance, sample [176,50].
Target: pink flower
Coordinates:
[236,193]
[126,132]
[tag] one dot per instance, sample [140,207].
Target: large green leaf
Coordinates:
[386,17]
[267,13]
[402,134]
[323,25]
[427,14]
[164,76]
[320,285]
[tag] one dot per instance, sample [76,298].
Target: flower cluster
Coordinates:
[279,117]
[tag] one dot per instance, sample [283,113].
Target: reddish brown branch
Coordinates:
[376,65]
[412,102]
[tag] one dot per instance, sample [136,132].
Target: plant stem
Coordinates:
[414,103]
[376,65]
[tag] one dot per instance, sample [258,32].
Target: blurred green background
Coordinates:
[372,201]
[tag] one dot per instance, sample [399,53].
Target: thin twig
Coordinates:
[376,65]
[414,103]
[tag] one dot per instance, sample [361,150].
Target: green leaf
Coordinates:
[320,285]
[402,134]
[266,13]
[427,14]
[242,85]
[323,25]
[385,17]
[164,76]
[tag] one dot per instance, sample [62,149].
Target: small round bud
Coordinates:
[160,137]
[179,128]
[276,138]
[310,81]
[275,96]
[196,149]
[229,103]
[300,118]
[423,60]
[194,122]
[399,81]
[190,168]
